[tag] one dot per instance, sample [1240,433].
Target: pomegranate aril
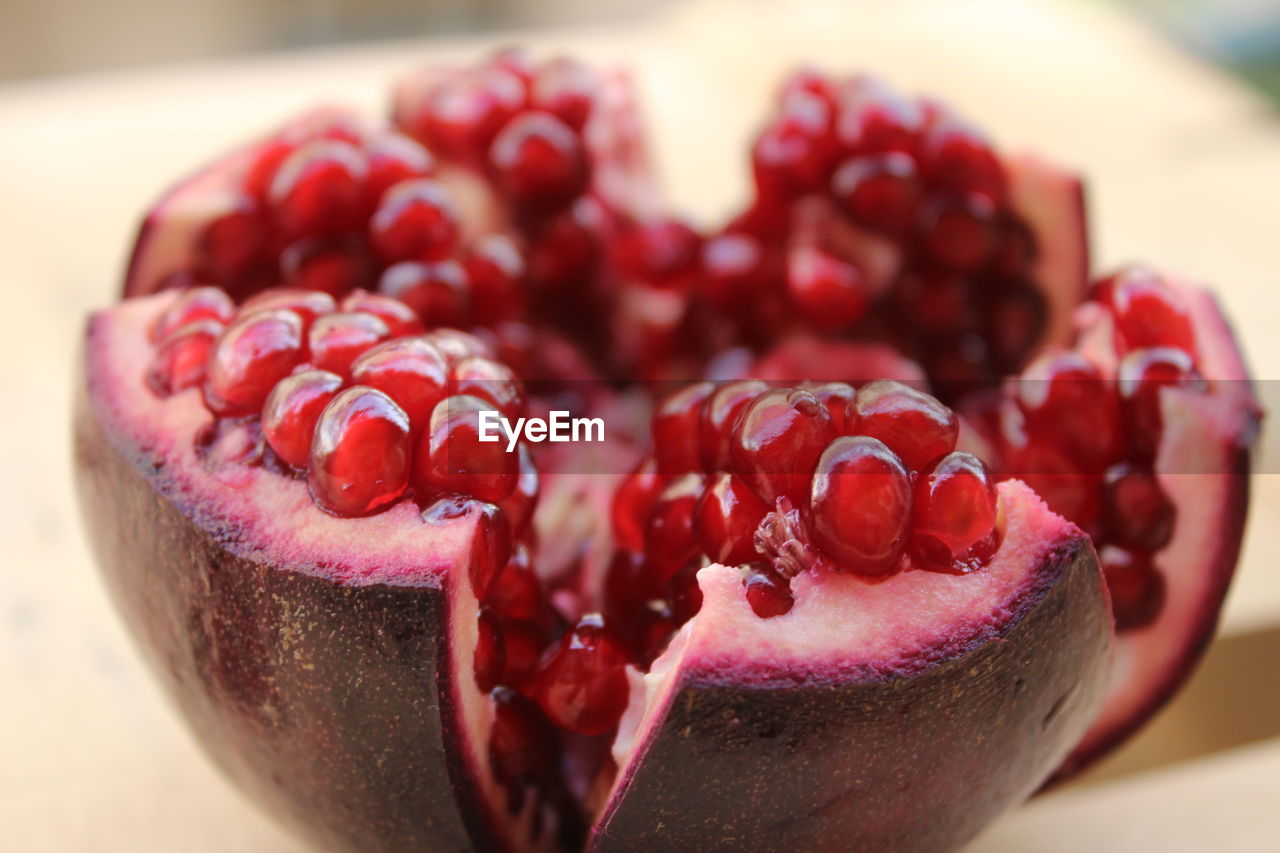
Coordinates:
[860,505]
[1014,323]
[516,593]
[953,524]
[726,519]
[807,81]
[491,542]
[523,644]
[520,504]
[566,247]
[957,159]
[664,253]
[452,458]
[194,305]
[266,162]
[795,152]
[495,270]
[734,272]
[292,411]
[464,112]
[236,243]
[538,161]
[935,304]
[1143,375]
[879,192]
[777,442]
[1137,587]
[437,291]
[307,304]
[1137,514]
[1148,313]
[181,358]
[915,426]
[408,370]
[958,233]
[838,397]
[336,340]
[332,266]
[360,455]
[565,88]
[720,416]
[522,743]
[416,220]
[676,446]
[669,540]
[254,353]
[1065,396]
[490,656]
[873,118]
[768,594]
[829,292]
[399,318]
[454,345]
[489,380]
[684,593]
[582,685]
[1016,250]
[393,158]
[632,502]
[1061,482]
[319,190]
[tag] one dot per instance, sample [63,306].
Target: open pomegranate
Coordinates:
[919,521]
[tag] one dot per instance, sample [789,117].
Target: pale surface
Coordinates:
[1186,168]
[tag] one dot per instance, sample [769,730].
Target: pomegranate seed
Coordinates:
[464,112]
[524,644]
[860,505]
[777,442]
[266,163]
[669,541]
[1014,323]
[1137,511]
[393,159]
[180,361]
[415,221]
[665,253]
[360,453]
[566,89]
[454,345]
[582,686]
[880,192]
[726,519]
[838,397]
[1063,485]
[437,291]
[336,340]
[331,266]
[523,746]
[935,304]
[958,159]
[913,424]
[490,656]
[1016,251]
[538,161]
[684,593]
[675,428]
[1065,396]
[1148,313]
[307,304]
[254,353]
[489,380]
[873,118]
[959,365]
[236,243]
[495,269]
[520,504]
[292,411]
[794,153]
[959,233]
[734,272]
[451,456]
[829,292]
[628,587]
[408,370]
[953,524]
[194,305]
[807,81]
[768,594]
[1143,374]
[398,317]
[516,593]
[1137,587]
[319,190]
[655,624]
[225,444]
[491,544]
[720,416]
[632,503]
[564,250]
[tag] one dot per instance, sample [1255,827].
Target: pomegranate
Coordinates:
[915,506]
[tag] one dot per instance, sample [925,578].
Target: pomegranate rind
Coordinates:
[903,715]
[288,638]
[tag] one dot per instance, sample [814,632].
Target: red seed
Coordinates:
[953,524]
[838,397]
[538,161]
[336,340]
[1148,313]
[194,305]
[236,243]
[400,318]
[516,593]
[1067,400]
[735,272]
[181,358]
[437,292]
[416,220]
[408,370]
[489,380]
[959,233]
[1061,482]
[860,505]
[523,746]
[1137,512]
[567,89]
[1137,587]
[490,655]
[582,686]
[669,540]
[524,644]
[495,270]
[795,152]
[726,519]
[1143,376]
[873,118]
[520,504]
[684,593]
[958,159]
[676,440]
[254,353]
[632,503]
[306,304]
[451,457]
[1014,324]
[360,453]
[319,190]
[465,111]
[394,158]
[880,192]
[292,411]
[491,542]
[333,266]
[720,416]
[454,345]
[829,292]
[914,425]
[938,305]
[663,253]
[777,442]
[768,594]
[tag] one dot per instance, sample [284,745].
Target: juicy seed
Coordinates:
[957,159]
[495,269]
[522,744]
[880,192]
[307,304]
[632,502]
[254,353]
[360,454]
[491,542]
[768,594]
[1139,514]
[539,162]
[829,292]
[777,442]
[451,457]
[1143,374]
[959,233]
[465,111]
[860,505]
[794,153]
[490,656]
[181,359]
[520,504]
[676,444]
[408,370]
[669,541]
[567,89]
[874,118]
[415,221]
[393,159]
[332,266]
[455,345]
[1137,587]
[489,380]
[1148,313]
[319,190]
[194,305]
[720,416]
[1060,481]
[838,397]
[726,519]
[399,317]
[1065,396]
[437,292]
[337,340]
[663,253]
[292,411]
[953,525]
[516,593]
[236,243]
[582,685]
[914,425]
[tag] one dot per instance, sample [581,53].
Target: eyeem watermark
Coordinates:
[558,427]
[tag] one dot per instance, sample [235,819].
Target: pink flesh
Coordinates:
[843,628]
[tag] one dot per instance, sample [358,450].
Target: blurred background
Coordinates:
[47,37]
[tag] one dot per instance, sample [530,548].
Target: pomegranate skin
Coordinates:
[915,760]
[262,657]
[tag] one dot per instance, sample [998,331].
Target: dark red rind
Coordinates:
[903,762]
[330,703]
